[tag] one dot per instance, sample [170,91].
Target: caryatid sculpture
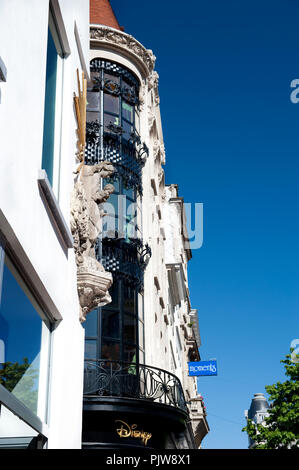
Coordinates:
[93,281]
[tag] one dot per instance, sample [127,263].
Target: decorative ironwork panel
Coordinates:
[125,260]
[114,378]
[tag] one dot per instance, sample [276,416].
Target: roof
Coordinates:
[101,12]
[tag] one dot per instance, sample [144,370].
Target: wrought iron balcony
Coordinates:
[106,378]
[127,156]
[125,259]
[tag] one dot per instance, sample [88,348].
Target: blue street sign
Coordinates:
[202,368]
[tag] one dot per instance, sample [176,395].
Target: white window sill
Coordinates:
[54,208]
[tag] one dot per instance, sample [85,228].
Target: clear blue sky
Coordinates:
[232,142]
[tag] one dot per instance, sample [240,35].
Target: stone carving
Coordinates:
[93,281]
[126,42]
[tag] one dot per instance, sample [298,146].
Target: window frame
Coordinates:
[7,398]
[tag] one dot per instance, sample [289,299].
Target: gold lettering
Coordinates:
[126,431]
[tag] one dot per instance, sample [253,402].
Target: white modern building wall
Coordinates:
[36,244]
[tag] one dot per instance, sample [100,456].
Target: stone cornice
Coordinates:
[124,43]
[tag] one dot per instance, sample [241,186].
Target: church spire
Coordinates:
[101,12]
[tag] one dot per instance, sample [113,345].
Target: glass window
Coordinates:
[93,101]
[26,337]
[128,129]
[129,353]
[113,78]
[141,334]
[95,80]
[90,349]
[108,120]
[92,116]
[127,111]
[129,193]
[110,326]
[49,109]
[110,225]
[111,103]
[91,323]
[130,329]
[110,350]
[129,299]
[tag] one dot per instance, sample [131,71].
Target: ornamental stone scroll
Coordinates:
[93,281]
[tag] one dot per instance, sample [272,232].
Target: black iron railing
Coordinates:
[104,378]
[127,156]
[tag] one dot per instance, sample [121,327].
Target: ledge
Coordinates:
[54,208]
[3,71]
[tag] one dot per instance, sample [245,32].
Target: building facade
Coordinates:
[84,208]
[42,340]
[137,391]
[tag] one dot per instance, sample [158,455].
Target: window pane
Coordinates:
[110,225]
[93,101]
[95,80]
[129,192]
[91,324]
[127,111]
[26,341]
[129,353]
[111,103]
[110,326]
[128,129]
[110,77]
[92,116]
[111,207]
[110,350]
[129,299]
[141,334]
[49,108]
[130,328]
[108,119]
[90,349]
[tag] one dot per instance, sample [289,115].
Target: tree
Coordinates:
[20,379]
[281,428]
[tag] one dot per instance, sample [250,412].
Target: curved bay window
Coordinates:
[115,332]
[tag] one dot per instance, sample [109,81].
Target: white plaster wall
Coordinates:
[23,39]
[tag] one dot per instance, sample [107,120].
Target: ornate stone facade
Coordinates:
[86,224]
[100,35]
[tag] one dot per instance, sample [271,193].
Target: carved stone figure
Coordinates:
[86,224]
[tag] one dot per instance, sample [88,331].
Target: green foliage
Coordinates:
[20,379]
[281,429]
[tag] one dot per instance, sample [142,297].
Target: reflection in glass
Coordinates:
[90,349]
[127,111]
[93,101]
[26,339]
[128,129]
[110,323]
[130,328]
[108,120]
[91,323]
[129,299]
[111,103]
[129,353]
[110,350]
